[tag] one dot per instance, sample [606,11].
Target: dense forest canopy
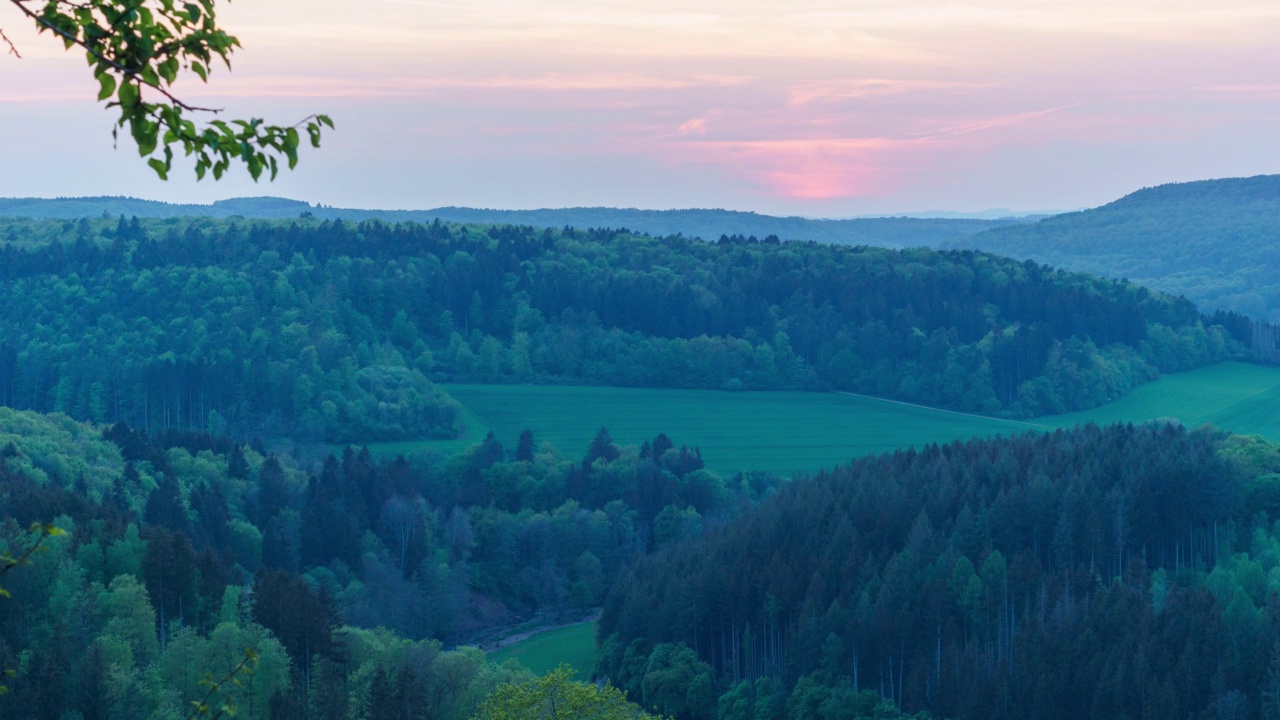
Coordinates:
[897,232]
[1091,573]
[317,330]
[1214,241]
[355,580]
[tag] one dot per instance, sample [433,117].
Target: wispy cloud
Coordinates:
[992,122]
[393,87]
[828,91]
[696,126]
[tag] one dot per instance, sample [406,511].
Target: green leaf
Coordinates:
[158,165]
[128,94]
[108,83]
[169,70]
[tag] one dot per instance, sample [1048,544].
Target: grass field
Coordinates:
[789,432]
[783,432]
[1241,398]
[542,653]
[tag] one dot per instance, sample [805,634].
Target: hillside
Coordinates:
[896,232]
[358,583]
[319,330]
[1092,573]
[1216,241]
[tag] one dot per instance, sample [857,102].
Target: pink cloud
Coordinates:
[828,168]
[807,169]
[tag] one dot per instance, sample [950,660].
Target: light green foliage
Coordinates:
[461,680]
[382,647]
[136,50]
[128,615]
[556,696]
[124,556]
[573,646]
[225,652]
[45,446]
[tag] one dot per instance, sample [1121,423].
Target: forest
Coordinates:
[1212,241]
[363,586]
[1090,573]
[314,331]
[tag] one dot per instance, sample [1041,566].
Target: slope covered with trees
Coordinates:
[1091,573]
[353,580]
[327,330]
[1214,241]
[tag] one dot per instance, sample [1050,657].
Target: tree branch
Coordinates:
[13,50]
[8,562]
[127,73]
[203,707]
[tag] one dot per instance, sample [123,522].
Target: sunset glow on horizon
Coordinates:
[816,108]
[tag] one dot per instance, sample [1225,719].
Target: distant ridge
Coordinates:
[895,232]
[1215,241]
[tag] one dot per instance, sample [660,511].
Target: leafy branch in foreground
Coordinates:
[209,706]
[138,47]
[9,561]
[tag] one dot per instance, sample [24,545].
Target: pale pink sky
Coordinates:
[812,107]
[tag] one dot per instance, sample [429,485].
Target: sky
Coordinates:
[812,107]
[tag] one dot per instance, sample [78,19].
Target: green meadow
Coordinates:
[1242,398]
[574,645]
[782,432]
[790,432]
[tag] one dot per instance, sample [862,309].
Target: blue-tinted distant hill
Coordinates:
[1215,241]
[893,232]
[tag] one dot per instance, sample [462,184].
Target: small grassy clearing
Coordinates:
[574,645]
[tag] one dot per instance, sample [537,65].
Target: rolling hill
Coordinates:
[1214,241]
